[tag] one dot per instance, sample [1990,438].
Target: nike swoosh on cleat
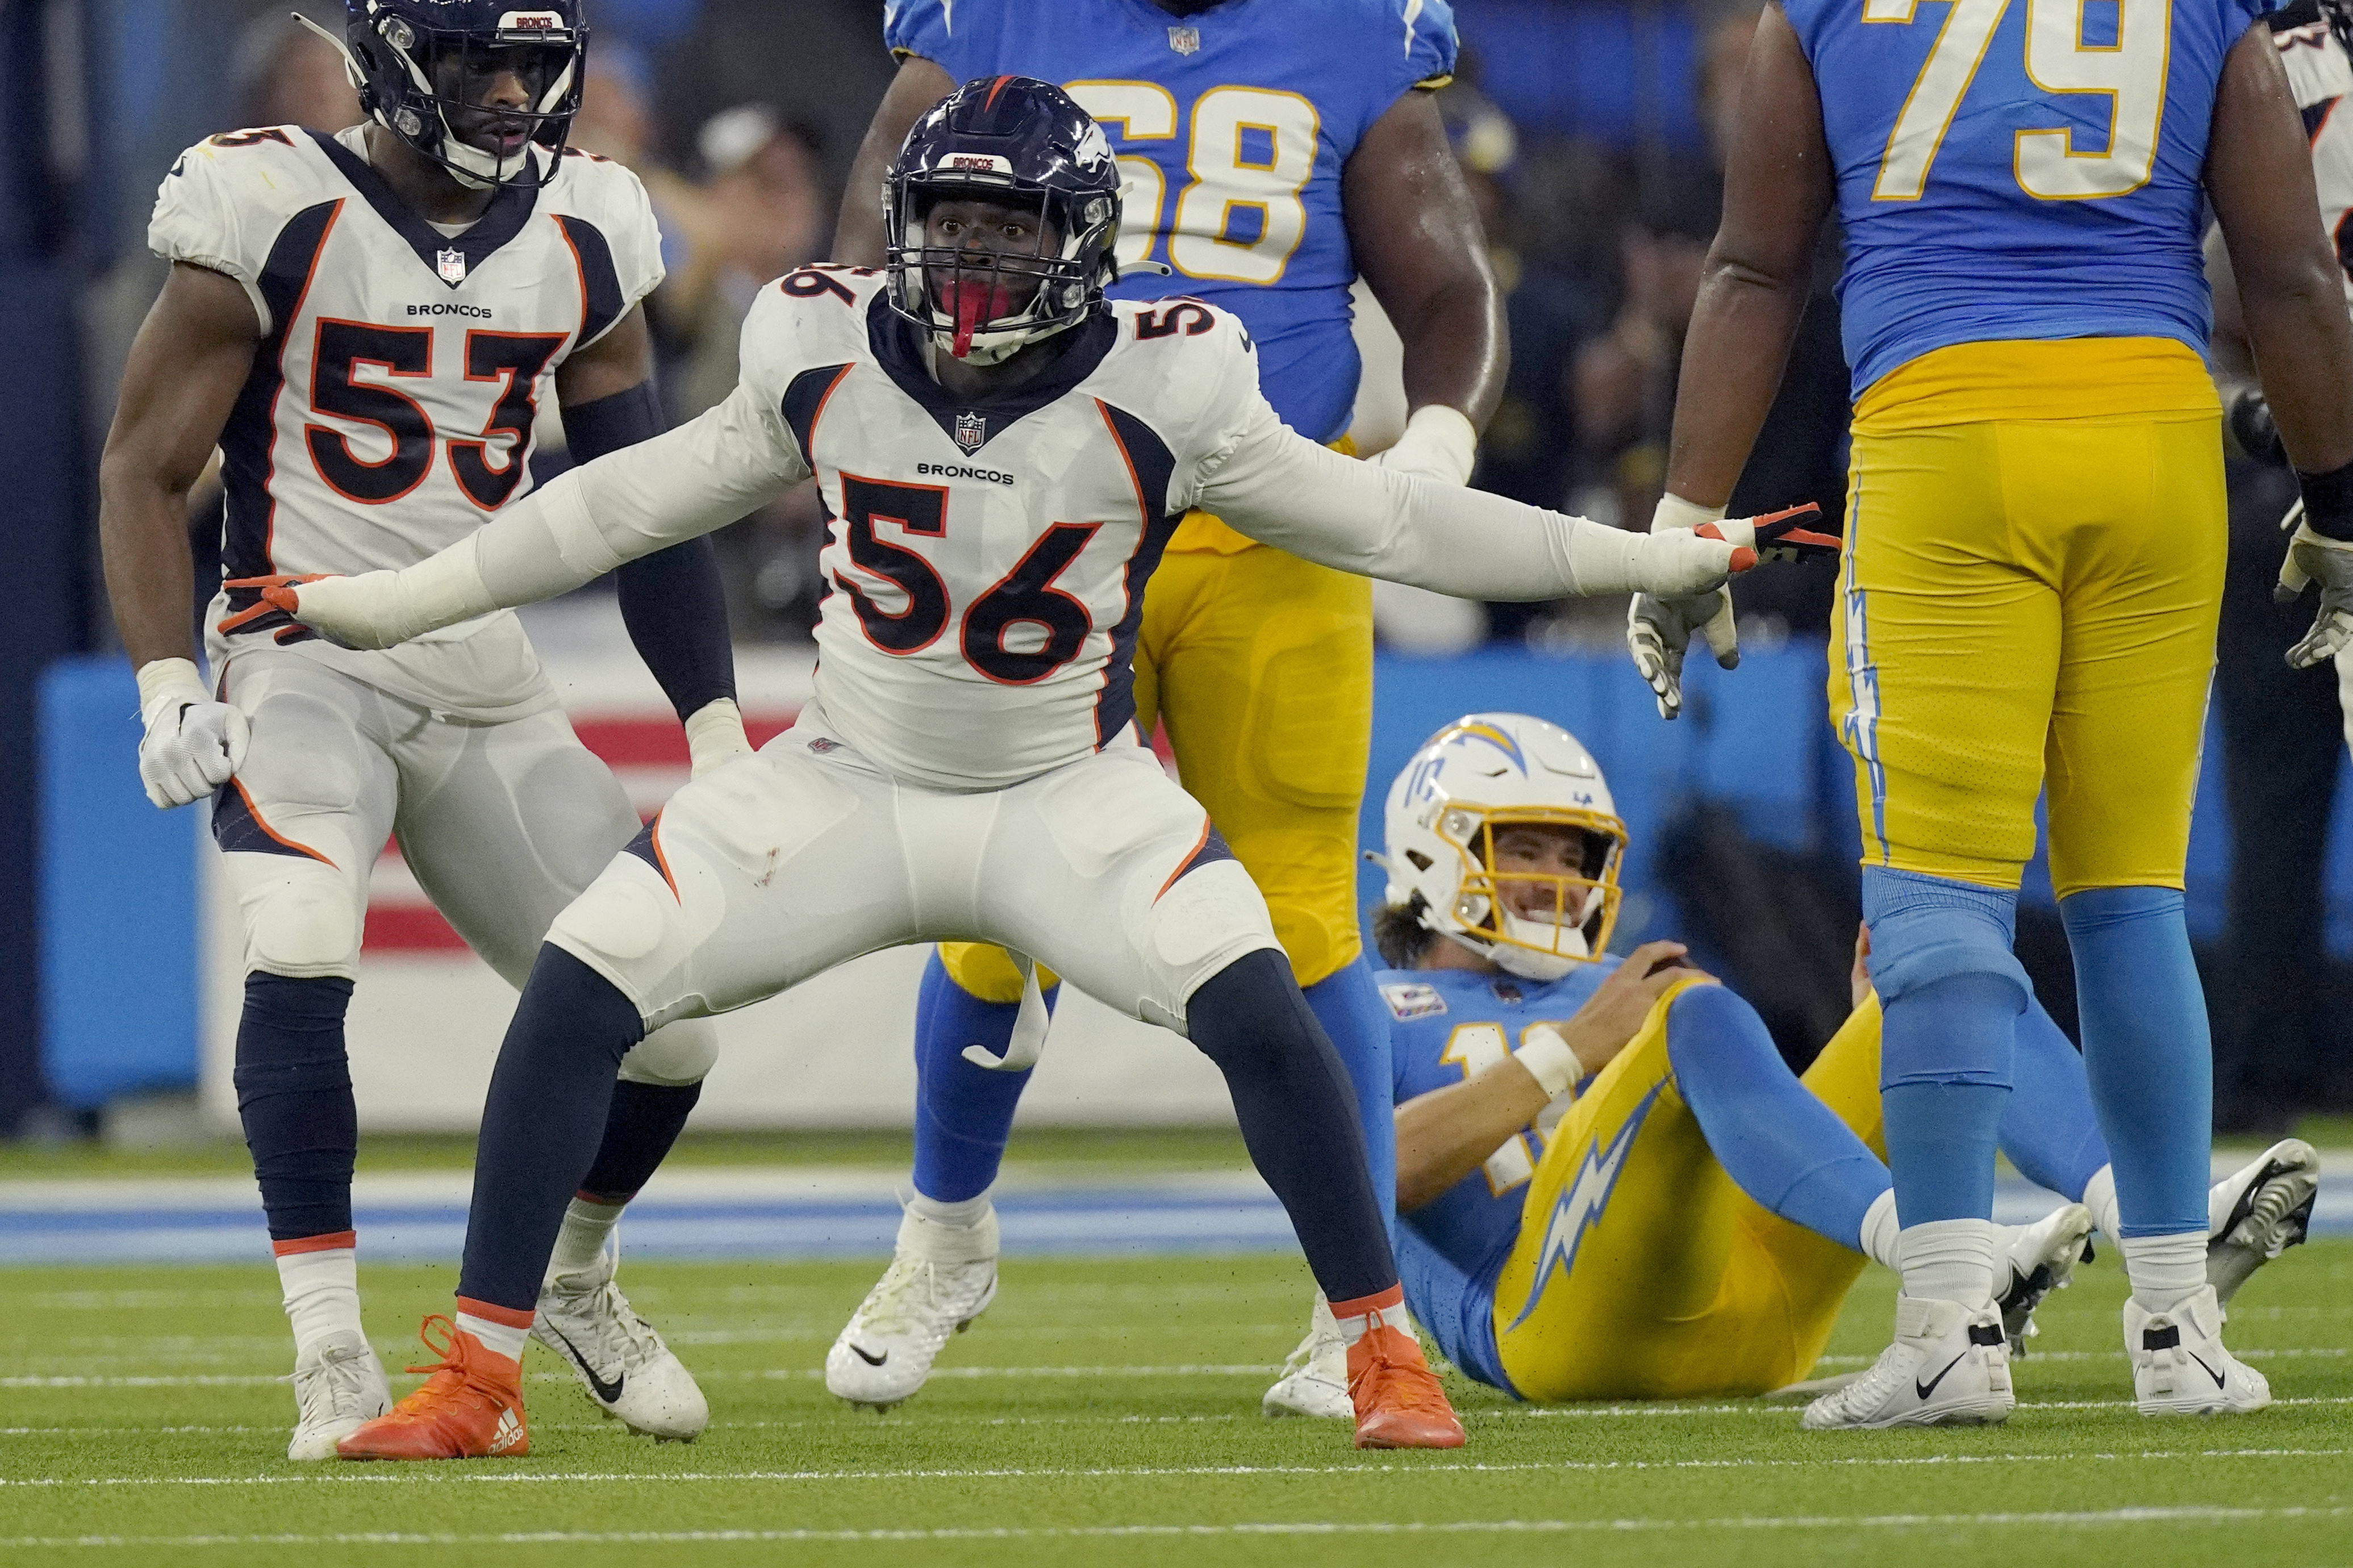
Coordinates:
[2208,1370]
[1924,1389]
[605,1393]
[859,1352]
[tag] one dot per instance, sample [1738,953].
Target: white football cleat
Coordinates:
[1948,1367]
[2179,1367]
[629,1371]
[940,1277]
[338,1386]
[1315,1381]
[2043,1258]
[2259,1213]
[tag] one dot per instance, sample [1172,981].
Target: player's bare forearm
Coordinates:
[1442,1136]
[621,359]
[2291,292]
[191,357]
[1418,242]
[1753,291]
[858,231]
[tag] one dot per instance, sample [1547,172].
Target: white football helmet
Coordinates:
[1481,773]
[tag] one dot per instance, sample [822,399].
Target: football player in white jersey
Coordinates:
[1002,456]
[365,325]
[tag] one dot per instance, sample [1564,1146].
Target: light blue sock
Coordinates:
[2148,1057]
[1951,991]
[2048,1131]
[1348,1004]
[964,1113]
[1782,1146]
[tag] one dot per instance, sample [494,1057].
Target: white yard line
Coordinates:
[2087,1519]
[394,1475]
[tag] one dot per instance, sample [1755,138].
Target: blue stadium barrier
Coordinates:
[118,899]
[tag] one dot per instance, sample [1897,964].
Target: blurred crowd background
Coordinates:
[1593,132]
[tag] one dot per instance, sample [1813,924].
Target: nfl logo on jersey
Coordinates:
[971,430]
[451,265]
[1184,40]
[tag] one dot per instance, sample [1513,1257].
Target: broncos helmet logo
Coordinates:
[1578,1208]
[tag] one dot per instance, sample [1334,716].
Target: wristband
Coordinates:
[162,681]
[2328,502]
[1674,512]
[1548,1058]
[714,734]
[1440,443]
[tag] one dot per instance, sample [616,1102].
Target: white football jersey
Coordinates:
[391,404]
[2321,75]
[985,561]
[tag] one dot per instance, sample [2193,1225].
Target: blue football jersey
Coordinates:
[2017,169]
[1444,1026]
[1233,126]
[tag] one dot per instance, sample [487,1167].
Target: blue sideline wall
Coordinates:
[119,887]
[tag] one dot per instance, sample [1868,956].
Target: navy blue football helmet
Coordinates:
[1021,143]
[413,62]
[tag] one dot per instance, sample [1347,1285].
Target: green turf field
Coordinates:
[1106,1412]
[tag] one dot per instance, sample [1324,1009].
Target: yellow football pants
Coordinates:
[2029,603]
[1682,1286]
[1260,665]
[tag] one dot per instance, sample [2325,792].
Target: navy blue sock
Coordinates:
[1299,1118]
[2147,1057]
[1349,1004]
[964,1112]
[2049,1131]
[550,1096]
[644,1121]
[294,1097]
[1784,1148]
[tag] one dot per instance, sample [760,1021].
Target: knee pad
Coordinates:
[673,1056]
[985,972]
[628,926]
[1927,929]
[299,921]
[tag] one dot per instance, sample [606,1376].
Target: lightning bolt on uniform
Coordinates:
[1687,1221]
[391,407]
[1232,125]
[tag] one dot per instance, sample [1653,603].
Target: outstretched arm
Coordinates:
[701,476]
[1286,490]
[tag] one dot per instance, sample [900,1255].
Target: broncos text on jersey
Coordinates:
[393,400]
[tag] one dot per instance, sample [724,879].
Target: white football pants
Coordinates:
[503,824]
[774,868]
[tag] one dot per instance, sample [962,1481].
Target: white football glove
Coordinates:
[193,744]
[715,737]
[2316,558]
[1661,620]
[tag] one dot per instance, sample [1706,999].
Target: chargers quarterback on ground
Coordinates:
[366,325]
[1002,455]
[1268,154]
[1610,1186]
[2032,571]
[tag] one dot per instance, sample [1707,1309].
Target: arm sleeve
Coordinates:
[672,601]
[197,221]
[1283,490]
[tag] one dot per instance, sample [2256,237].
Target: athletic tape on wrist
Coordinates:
[1548,1058]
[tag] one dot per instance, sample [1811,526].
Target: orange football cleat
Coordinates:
[1399,1401]
[471,1408]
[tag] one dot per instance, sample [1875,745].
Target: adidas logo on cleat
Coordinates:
[509,1433]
